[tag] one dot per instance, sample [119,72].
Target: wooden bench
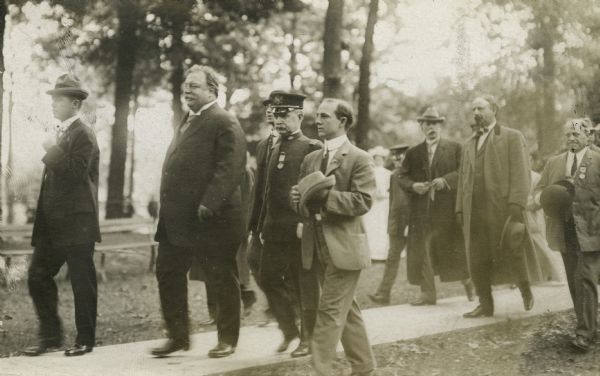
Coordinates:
[138,225]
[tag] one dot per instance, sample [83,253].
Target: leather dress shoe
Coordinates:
[303,349]
[207,322]
[479,312]
[581,344]
[41,348]
[221,350]
[170,346]
[78,350]
[285,344]
[380,299]
[422,302]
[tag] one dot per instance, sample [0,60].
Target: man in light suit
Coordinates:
[494,181]
[334,244]
[577,234]
[201,214]
[66,223]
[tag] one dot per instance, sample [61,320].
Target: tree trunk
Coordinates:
[129,18]
[292,49]
[176,79]
[332,49]
[364,92]
[3,13]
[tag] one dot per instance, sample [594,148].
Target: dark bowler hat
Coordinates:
[556,199]
[431,115]
[68,85]
[512,236]
[284,102]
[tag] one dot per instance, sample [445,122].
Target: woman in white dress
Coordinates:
[375,220]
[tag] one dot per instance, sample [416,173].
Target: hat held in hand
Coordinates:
[68,85]
[512,236]
[311,184]
[556,199]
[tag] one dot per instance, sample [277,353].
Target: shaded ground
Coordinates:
[128,304]
[534,346]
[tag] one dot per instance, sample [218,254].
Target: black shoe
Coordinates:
[286,343]
[303,349]
[207,322]
[380,299]
[170,346]
[78,350]
[581,344]
[41,348]
[422,302]
[479,312]
[221,350]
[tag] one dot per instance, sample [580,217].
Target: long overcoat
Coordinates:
[432,221]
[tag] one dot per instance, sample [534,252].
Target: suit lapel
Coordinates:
[196,125]
[337,158]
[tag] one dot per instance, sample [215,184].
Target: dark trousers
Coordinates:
[392,263]
[570,258]
[172,266]
[287,285]
[586,291]
[45,264]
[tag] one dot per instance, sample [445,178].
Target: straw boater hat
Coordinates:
[68,85]
[431,115]
[311,184]
[399,148]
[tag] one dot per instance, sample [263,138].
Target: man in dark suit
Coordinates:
[397,222]
[281,274]
[66,223]
[494,181]
[200,214]
[429,174]
[574,232]
[334,242]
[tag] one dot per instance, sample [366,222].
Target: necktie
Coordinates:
[574,165]
[478,135]
[430,152]
[187,123]
[324,162]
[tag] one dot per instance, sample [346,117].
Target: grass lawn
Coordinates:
[128,306]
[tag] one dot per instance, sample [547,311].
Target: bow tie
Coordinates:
[480,131]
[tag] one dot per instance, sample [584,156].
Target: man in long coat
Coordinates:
[576,234]
[66,223]
[200,214]
[494,181]
[429,175]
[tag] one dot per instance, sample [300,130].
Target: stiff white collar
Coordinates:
[203,108]
[335,143]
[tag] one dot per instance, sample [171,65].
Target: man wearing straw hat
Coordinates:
[66,224]
[429,175]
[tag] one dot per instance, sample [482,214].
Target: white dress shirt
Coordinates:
[485,135]
[191,114]
[331,146]
[580,154]
[431,148]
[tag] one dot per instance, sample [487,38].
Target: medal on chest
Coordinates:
[281,160]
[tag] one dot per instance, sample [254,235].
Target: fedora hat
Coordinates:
[399,148]
[512,236]
[311,184]
[556,199]
[431,114]
[68,85]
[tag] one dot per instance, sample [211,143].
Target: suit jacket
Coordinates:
[203,166]
[586,203]
[67,209]
[433,219]
[258,190]
[279,220]
[350,198]
[398,213]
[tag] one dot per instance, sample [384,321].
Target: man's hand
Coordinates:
[204,213]
[421,188]
[516,213]
[49,142]
[295,195]
[439,183]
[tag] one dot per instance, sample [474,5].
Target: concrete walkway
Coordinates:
[257,345]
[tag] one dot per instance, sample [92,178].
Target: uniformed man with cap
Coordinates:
[281,274]
[397,222]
